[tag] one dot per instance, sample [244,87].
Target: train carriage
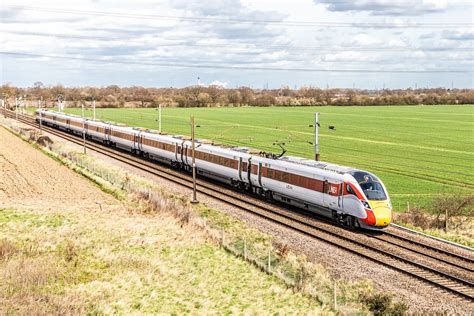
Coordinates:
[124,137]
[159,147]
[98,131]
[76,124]
[221,163]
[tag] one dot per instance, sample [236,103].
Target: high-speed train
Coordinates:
[352,197]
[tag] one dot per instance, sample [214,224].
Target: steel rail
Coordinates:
[414,232]
[431,248]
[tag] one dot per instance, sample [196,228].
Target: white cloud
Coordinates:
[219,84]
[365,39]
[459,35]
[387,7]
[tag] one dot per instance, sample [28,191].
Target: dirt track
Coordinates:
[29,179]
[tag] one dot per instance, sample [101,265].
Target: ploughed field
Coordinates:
[418,151]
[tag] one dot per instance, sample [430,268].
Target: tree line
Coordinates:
[215,96]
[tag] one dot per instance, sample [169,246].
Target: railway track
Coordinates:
[451,277]
[440,254]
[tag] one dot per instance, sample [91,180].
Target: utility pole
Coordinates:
[159,118]
[193,127]
[41,115]
[316,136]
[83,128]
[93,106]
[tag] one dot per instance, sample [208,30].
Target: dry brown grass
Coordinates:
[154,202]
[458,208]
[7,249]
[44,304]
[420,218]
[281,248]
[29,274]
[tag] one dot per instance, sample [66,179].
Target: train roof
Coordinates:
[317,164]
[243,150]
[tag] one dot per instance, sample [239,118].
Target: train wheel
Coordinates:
[269,195]
[350,221]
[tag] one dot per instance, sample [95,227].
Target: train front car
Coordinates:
[372,194]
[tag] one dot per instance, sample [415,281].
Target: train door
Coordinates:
[246,174]
[240,166]
[326,199]
[181,152]
[107,134]
[351,204]
[140,139]
[176,151]
[136,141]
[331,194]
[187,159]
[254,173]
[340,198]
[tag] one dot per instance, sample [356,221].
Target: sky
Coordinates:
[365,44]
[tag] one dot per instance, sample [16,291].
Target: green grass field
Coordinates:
[418,151]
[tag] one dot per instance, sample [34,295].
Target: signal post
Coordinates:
[193,127]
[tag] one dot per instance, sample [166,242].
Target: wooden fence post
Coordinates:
[269,260]
[245,248]
[446,221]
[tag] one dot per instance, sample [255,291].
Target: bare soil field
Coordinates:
[31,180]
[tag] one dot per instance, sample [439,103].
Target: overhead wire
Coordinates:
[235,46]
[232,67]
[243,21]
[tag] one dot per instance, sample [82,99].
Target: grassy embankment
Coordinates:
[419,152]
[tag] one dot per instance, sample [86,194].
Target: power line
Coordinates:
[261,46]
[232,67]
[244,21]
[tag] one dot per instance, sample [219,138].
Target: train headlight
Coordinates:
[366,205]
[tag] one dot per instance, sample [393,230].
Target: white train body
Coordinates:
[349,195]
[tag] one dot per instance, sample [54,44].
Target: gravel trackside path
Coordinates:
[31,180]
